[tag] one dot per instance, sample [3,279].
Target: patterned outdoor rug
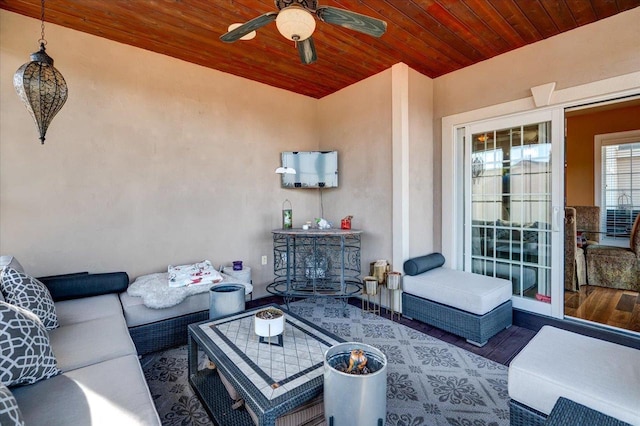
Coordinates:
[429,382]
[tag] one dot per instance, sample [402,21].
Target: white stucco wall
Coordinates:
[356,121]
[420,163]
[152,161]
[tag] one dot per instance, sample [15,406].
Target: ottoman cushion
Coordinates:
[601,375]
[474,293]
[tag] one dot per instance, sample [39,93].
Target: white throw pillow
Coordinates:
[26,292]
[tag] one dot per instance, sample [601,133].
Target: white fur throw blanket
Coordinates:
[156,293]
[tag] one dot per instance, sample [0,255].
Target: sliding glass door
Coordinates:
[513,214]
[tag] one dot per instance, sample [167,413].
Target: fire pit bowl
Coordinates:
[269,322]
[355,385]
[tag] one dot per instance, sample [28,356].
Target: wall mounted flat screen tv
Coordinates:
[314,169]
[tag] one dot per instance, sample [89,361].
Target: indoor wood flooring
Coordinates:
[617,308]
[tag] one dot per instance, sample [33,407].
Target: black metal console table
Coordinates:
[316,263]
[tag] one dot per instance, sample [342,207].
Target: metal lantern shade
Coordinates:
[42,89]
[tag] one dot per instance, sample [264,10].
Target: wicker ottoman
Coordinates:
[469,305]
[557,363]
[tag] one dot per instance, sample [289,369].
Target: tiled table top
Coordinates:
[272,377]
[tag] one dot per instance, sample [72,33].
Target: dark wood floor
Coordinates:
[501,348]
[617,308]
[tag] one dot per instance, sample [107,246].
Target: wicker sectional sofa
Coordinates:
[100,381]
[153,329]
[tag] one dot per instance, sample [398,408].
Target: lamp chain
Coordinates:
[42,41]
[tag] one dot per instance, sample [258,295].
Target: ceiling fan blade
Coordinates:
[249,26]
[307,51]
[352,20]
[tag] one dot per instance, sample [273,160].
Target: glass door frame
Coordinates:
[556,118]
[451,158]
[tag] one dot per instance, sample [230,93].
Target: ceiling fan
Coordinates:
[295,21]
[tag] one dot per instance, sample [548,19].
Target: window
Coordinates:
[618,186]
[509,203]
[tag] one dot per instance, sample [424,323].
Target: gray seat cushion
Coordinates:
[85,343]
[88,308]
[598,374]
[136,313]
[90,396]
[475,293]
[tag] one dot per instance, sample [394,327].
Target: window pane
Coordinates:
[621,188]
[511,207]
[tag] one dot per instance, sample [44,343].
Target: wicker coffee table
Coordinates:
[272,380]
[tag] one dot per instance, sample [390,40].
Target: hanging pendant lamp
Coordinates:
[40,86]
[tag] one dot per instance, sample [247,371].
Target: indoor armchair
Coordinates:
[588,219]
[616,267]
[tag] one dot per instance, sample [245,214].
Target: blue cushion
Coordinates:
[421,264]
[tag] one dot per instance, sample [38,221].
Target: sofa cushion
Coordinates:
[81,344]
[592,372]
[137,313]
[22,290]
[80,285]
[10,414]
[466,291]
[421,264]
[112,392]
[25,353]
[11,262]
[88,308]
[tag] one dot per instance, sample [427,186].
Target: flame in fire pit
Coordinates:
[353,362]
[357,356]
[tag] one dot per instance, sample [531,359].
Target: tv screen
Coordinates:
[314,169]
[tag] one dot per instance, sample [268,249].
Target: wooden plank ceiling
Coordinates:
[434,37]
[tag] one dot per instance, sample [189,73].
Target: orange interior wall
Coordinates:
[581,129]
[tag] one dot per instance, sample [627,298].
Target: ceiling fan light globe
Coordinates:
[295,23]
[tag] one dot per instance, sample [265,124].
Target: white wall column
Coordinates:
[399,163]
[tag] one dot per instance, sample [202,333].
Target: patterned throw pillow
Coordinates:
[21,290]
[10,414]
[25,353]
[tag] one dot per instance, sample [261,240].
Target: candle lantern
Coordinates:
[287,215]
